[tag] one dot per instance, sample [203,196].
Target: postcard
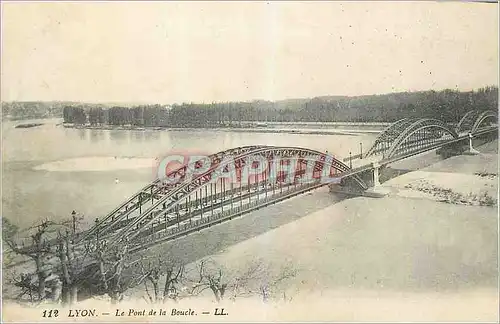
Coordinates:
[258,161]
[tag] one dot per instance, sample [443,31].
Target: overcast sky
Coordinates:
[219,51]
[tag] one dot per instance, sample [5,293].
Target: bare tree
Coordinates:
[152,273]
[61,271]
[162,268]
[111,266]
[65,284]
[242,283]
[71,267]
[174,274]
[38,251]
[113,270]
[269,286]
[210,276]
[27,284]
[256,279]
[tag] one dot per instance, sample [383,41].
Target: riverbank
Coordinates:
[98,163]
[305,131]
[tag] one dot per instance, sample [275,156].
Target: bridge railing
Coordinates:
[210,220]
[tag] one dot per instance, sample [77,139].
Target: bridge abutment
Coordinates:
[370,177]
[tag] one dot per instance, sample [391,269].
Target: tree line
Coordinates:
[447,105]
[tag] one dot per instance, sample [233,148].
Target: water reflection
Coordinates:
[49,144]
[83,134]
[118,135]
[137,136]
[152,135]
[97,135]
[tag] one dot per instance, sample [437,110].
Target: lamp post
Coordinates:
[73,215]
[97,232]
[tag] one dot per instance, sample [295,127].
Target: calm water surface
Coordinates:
[29,194]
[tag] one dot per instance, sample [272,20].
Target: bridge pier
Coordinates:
[376,174]
[376,190]
[370,177]
[471,150]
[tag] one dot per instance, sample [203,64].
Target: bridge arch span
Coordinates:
[473,119]
[180,193]
[384,140]
[467,121]
[122,211]
[420,135]
[485,115]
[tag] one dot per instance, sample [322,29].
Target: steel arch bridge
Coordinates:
[160,212]
[384,141]
[202,201]
[472,120]
[416,134]
[408,135]
[152,191]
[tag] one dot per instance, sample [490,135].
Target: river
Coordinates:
[32,192]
